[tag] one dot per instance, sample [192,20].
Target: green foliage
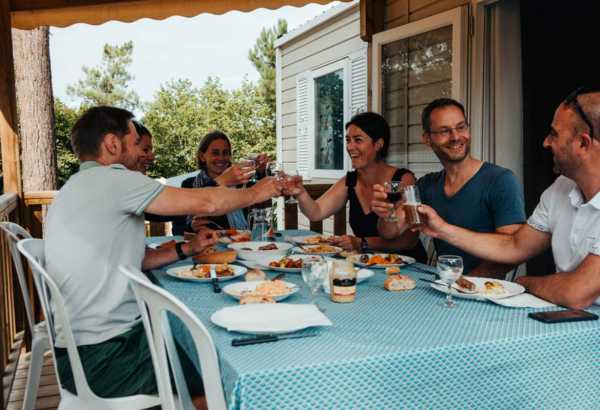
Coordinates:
[262,57]
[181,115]
[107,84]
[65,118]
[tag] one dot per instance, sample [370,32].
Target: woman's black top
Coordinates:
[365,225]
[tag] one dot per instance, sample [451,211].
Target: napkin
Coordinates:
[269,318]
[524,300]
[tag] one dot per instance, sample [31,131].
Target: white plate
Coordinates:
[269,318]
[302,239]
[355,259]
[177,272]
[235,290]
[361,276]
[306,248]
[511,289]
[249,250]
[264,262]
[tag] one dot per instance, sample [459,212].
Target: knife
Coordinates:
[214,280]
[280,276]
[267,338]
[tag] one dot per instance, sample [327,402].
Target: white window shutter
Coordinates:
[359,82]
[302,125]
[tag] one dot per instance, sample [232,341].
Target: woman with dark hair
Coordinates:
[215,169]
[367,143]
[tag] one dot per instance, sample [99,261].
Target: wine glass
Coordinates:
[275,169]
[288,181]
[449,269]
[250,161]
[393,189]
[313,274]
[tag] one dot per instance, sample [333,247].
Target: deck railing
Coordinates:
[315,191]
[11,309]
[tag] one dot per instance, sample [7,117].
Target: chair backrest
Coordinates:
[15,233]
[33,250]
[154,304]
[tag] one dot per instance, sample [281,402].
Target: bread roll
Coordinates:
[399,282]
[255,275]
[211,255]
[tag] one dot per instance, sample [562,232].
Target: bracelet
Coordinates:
[179,250]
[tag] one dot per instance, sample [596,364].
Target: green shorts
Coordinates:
[122,366]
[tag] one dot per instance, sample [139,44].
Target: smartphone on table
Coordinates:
[558,316]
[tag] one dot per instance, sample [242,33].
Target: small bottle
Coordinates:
[342,282]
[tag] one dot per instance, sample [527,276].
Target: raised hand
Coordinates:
[261,163]
[380,204]
[266,188]
[293,185]
[235,175]
[432,224]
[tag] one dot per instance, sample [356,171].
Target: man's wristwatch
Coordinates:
[179,250]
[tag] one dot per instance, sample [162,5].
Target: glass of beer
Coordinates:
[393,189]
[411,202]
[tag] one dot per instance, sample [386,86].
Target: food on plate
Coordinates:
[320,249]
[248,299]
[269,288]
[233,235]
[255,275]
[320,239]
[203,271]
[345,254]
[166,245]
[268,247]
[466,284]
[383,259]
[286,263]
[212,255]
[494,287]
[392,270]
[399,282]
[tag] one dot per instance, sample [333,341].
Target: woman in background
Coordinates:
[367,143]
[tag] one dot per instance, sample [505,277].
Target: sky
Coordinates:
[192,48]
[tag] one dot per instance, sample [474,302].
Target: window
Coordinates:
[413,65]
[329,121]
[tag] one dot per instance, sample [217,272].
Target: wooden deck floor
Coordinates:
[48,395]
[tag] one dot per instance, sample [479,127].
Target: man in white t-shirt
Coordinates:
[567,217]
[96,224]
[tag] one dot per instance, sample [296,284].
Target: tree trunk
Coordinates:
[35,106]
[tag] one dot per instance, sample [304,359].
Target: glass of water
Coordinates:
[313,274]
[449,269]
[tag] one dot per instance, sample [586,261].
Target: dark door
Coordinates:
[560,53]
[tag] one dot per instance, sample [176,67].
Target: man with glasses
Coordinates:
[470,193]
[567,217]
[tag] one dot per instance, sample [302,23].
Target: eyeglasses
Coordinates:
[572,101]
[446,132]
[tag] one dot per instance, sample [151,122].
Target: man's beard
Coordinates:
[444,156]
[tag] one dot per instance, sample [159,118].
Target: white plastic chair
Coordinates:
[154,304]
[33,250]
[39,334]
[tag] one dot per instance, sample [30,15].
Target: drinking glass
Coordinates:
[313,274]
[250,160]
[449,269]
[410,203]
[393,189]
[275,169]
[288,180]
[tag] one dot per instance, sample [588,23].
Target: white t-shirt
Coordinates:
[573,223]
[95,225]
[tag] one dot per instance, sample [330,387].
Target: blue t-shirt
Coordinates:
[490,199]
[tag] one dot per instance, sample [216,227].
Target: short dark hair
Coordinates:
[94,124]
[376,127]
[141,129]
[435,104]
[205,143]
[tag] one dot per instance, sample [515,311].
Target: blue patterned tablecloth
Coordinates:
[397,350]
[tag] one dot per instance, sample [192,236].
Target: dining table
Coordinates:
[402,349]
